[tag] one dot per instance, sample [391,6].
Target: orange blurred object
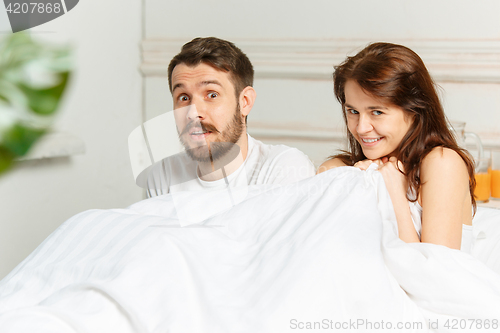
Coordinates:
[495,183]
[483,186]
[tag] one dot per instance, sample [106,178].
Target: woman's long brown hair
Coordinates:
[396,75]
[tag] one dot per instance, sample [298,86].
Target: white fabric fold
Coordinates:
[324,250]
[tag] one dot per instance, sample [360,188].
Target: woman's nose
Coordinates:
[364,124]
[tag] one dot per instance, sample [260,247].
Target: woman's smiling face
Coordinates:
[379,128]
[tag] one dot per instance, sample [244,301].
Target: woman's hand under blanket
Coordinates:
[363,165]
[397,186]
[395,180]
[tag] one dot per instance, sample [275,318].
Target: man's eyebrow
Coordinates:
[205,83]
[178,85]
[202,83]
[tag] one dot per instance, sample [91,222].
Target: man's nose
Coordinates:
[364,124]
[192,112]
[196,110]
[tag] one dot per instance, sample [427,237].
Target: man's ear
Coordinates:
[247,99]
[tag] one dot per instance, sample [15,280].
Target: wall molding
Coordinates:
[321,135]
[55,144]
[474,61]
[303,135]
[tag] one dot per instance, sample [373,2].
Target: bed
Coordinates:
[320,254]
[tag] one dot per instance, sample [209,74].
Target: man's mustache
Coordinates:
[204,127]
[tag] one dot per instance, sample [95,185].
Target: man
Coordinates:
[211,84]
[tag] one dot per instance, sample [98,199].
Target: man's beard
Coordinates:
[225,142]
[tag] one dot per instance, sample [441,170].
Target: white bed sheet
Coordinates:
[324,250]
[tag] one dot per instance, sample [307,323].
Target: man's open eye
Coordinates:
[212,95]
[377,113]
[352,111]
[183,98]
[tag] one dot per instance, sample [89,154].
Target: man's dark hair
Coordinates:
[221,55]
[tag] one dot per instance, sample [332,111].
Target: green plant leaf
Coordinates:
[33,77]
[6,159]
[45,101]
[19,139]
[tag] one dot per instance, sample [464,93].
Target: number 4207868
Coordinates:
[33,7]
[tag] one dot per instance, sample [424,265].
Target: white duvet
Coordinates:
[319,255]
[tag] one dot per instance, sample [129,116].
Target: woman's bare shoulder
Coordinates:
[440,155]
[442,161]
[330,164]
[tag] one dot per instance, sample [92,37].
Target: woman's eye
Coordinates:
[212,95]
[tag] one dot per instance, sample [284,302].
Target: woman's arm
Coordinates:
[445,197]
[338,162]
[397,186]
[330,164]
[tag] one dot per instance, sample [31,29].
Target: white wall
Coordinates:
[102,106]
[361,19]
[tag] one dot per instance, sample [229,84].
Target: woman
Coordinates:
[394,118]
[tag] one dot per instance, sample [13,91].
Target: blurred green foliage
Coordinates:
[33,77]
